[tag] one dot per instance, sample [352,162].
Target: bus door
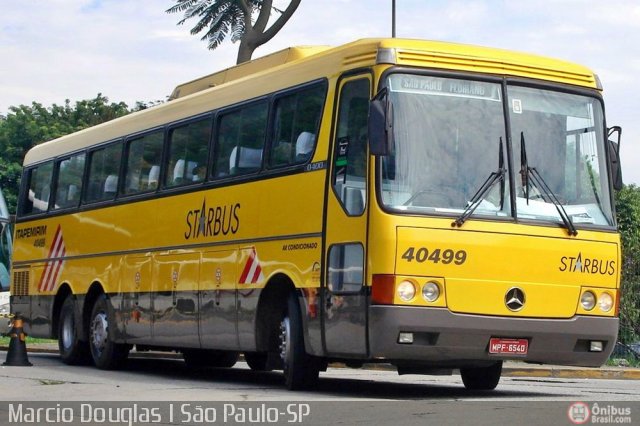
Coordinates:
[344,304]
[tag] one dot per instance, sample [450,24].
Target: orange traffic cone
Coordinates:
[17,355]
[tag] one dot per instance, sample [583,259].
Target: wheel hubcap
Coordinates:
[285,341]
[99,332]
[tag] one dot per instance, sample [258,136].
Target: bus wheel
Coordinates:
[257,361]
[73,351]
[106,354]
[300,370]
[197,358]
[481,378]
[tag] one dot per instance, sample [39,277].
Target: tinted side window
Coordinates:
[350,155]
[188,153]
[103,173]
[69,184]
[36,199]
[240,140]
[143,163]
[297,117]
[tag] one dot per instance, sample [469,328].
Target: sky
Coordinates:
[131,50]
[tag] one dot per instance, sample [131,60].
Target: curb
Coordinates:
[573,373]
[510,369]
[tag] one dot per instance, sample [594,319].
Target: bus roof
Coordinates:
[242,70]
[298,65]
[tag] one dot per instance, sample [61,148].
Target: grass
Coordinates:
[4,341]
[628,361]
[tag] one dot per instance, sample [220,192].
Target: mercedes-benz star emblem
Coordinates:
[514,299]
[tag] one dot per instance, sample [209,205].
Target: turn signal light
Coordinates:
[383,289]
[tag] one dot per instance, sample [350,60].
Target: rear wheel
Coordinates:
[481,378]
[198,358]
[107,355]
[300,370]
[73,351]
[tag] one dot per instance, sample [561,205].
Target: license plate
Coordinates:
[508,346]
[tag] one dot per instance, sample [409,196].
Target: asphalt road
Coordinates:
[343,396]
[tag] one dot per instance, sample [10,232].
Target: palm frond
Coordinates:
[216,37]
[181,6]
[219,19]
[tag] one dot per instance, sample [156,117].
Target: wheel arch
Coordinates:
[64,291]
[271,305]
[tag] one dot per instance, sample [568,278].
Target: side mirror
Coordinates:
[380,124]
[613,143]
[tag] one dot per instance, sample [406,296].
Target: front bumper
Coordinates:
[444,338]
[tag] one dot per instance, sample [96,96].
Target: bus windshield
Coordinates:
[450,141]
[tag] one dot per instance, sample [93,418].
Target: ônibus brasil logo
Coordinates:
[579,413]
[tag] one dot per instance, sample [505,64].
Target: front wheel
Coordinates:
[73,351]
[300,370]
[107,355]
[481,378]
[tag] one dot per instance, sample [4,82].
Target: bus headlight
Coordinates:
[588,300]
[406,291]
[605,302]
[430,291]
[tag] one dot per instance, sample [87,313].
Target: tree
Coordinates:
[26,126]
[628,215]
[244,20]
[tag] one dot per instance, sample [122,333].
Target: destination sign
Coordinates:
[444,87]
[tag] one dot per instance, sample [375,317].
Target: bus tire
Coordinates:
[199,358]
[300,370]
[481,378]
[257,361]
[73,351]
[106,354]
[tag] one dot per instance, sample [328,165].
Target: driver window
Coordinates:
[350,154]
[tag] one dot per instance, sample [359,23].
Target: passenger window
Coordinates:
[295,130]
[188,152]
[37,197]
[69,184]
[103,173]
[350,154]
[143,163]
[240,141]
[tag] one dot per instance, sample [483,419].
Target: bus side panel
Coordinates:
[217,304]
[41,309]
[248,294]
[136,312]
[175,300]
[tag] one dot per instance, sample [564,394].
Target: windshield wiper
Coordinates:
[531,174]
[494,177]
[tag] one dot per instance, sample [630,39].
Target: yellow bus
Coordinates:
[428,205]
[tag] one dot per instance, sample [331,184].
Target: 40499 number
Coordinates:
[446,257]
